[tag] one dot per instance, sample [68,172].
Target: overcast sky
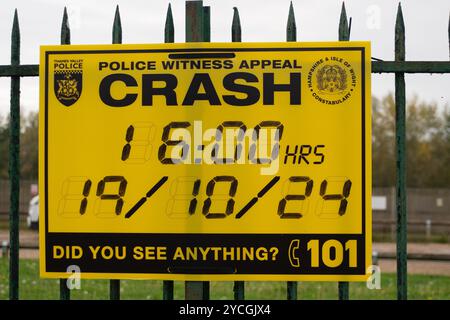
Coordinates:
[262,21]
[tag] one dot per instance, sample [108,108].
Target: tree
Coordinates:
[427,144]
[383,142]
[29,145]
[4,147]
[440,153]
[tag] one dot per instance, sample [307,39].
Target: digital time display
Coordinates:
[212,161]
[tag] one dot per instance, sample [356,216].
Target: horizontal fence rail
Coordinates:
[24,70]
[32,70]
[197,30]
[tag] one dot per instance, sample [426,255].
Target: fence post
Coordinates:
[239,290]
[207,24]
[168,289]
[114,285]
[14,165]
[291,36]
[196,24]
[236,36]
[194,21]
[400,134]
[344,35]
[169,37]
[64,291]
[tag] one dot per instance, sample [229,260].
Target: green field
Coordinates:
[31,287]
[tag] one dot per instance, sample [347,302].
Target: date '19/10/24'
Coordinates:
[77,203]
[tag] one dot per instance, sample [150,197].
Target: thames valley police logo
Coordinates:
[68,82]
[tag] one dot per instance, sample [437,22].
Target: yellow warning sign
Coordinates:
[206,161]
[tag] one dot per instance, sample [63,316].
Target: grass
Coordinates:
[32,287]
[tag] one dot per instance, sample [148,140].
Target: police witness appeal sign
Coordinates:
[206,161]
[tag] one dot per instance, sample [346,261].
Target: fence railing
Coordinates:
[198,30]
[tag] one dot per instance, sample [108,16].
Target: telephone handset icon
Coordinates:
[293,249]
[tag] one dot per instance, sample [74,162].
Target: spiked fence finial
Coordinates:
[344,34]
[117,28]
[15,40]
[65,28]
[291,29]
[236,32]
[399,35]
[169,30]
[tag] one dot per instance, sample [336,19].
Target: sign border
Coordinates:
[221,277]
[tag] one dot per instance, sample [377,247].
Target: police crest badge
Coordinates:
[68,81]
[331,79]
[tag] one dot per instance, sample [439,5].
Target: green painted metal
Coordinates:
[236,32]
[168,290]
[114,289]
[236,36]
[207,24]
[25,70]
[343,35]
[194,21]
[239,290]
[349,27]
[195,25]
[291,290]
[32,70]
[343,288]
[291,28]
[400,137]
[344,32]
[65,29]
[114,285]
[169,37]
[117,28]
[64,291]
[291,36]
[411,66]
[14,165]
[169,29]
